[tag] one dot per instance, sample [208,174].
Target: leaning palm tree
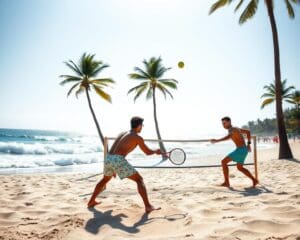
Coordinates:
[150,81]
[270,94]
[85,79]
[249,12]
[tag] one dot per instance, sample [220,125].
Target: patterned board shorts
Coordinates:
[118,164]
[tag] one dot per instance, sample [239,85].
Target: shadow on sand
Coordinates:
[260,189]
[99,219]
[293,160]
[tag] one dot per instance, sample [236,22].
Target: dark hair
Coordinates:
[226,119]
[136,121]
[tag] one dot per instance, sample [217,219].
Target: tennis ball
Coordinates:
[181,64]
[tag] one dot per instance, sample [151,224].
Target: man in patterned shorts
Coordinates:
[115,162]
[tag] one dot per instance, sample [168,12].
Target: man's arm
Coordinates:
[144,147]
[221,139]
[248,133]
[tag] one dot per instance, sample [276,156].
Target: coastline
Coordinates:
[53,206]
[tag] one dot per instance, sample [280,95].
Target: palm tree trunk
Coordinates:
[161,144]
[284,147]
[94,117]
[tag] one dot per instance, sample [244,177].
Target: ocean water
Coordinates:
[43,151]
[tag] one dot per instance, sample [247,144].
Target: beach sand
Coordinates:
[53,206]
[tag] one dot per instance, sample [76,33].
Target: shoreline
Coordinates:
[90,168]
[53,206]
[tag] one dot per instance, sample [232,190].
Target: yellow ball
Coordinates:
[181,64]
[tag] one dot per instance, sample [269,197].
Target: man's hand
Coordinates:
[213,140]
[249,147]
[158,151]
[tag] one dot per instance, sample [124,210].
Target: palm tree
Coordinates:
[150,81]
[270,94]
[249,12]
[295,99]
[85,79]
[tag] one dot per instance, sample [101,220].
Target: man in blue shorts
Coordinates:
[116,163]
[239,154]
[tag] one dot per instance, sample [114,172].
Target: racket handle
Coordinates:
[165,154]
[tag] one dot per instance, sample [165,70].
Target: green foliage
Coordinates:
[251,8]
[85,79]
[150,78]
[270,94]
[269,126]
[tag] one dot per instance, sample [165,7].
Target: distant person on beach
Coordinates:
[275,139]
[239,154]
[115,162]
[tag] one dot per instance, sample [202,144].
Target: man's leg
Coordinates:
[241,168]
[143,192]
[99,187]
[225,161]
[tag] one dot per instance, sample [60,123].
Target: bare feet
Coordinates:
[92,204]
[255,182]
[151,208]
[225,184]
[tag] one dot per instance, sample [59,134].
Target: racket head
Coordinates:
[177,156]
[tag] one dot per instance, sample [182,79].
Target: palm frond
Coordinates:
[171,83]
[88,67]
[98,69]
[151,77]
[290,101]
[79,91]
[142,72]
[296,96]
[290,9]
[287,90]
[218,4]
[137,87]
[87,64]
[270,88]
[102,81]
[164,90]
[287,96]
[83,63]
[137,76]
[267,102]
[69,79]
[161,71]
[169,80]
[249,11]
[152,66]
[74,67]
[102,94]
[72,88]
[239,5]
[139,92]
[269,95]
[149,93]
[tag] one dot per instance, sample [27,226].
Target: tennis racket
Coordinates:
[176,156]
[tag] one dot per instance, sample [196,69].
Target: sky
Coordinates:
[226,64]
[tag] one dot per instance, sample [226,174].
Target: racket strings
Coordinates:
[177,156]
